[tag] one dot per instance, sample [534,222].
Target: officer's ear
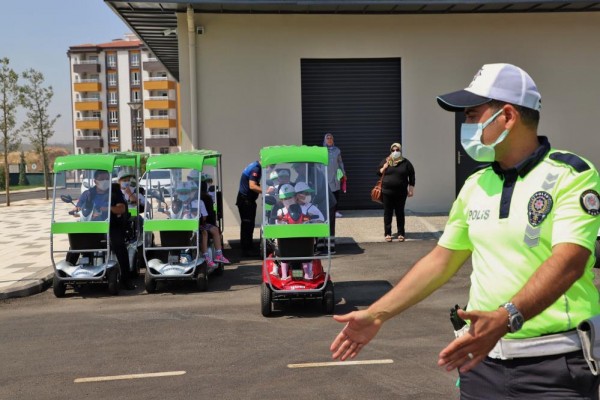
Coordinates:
[511,116]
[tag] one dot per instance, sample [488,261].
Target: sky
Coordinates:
[38,33]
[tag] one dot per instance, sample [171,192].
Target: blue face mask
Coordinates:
[184,197]
[470,139]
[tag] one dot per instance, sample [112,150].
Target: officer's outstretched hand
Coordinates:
[360,328]
[465,352]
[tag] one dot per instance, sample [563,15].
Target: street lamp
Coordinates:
[137,123]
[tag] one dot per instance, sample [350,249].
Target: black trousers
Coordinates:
[332,212]
[563,376]
[247,209]
[394,203]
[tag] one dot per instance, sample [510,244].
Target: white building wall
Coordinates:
[249,95]
[124,78]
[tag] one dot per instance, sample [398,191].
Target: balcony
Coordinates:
[94,123]
[87,67]
[159,83]
[153,65]
[159,103]
[91,141]
[90,104]
[88,85]
[160,122]
[161,141]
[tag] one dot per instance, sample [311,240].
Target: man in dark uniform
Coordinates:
[246,203]
[95,200]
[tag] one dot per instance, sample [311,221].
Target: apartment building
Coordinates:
[123,99]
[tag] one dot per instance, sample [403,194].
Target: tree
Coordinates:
[39,125]
[22,171]
[10,99]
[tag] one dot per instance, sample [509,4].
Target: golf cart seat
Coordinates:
[296,247]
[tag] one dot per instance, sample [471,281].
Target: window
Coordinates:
[136,96]
[164,150]
[112,79]
[96,114]
[111,60]
[135,59]
[135,78]
[114,135]
[113,98]
[113,117]
[163,132]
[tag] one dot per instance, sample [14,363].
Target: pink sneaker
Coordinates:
[220,258]
[210,263]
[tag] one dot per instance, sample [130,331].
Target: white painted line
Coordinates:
[339,363]
[124,377]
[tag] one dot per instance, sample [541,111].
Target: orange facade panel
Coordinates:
[88,86]
[88,105]
[95,124]
[159,85]
[160,123]
[159,104]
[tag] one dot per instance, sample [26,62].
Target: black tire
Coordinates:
[149,283]
[202,278]
[135,267]
[597,253]
[265,300]
[113,280]
[59,287]
[328,299]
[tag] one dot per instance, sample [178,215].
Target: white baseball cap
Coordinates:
[503,82]
[286,191]
[303,187]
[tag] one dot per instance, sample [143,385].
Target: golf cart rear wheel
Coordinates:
[328,299]
[113,281]
[58,287]
[265,300]
[202,278]
[149,283]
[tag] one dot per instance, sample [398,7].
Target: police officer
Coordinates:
[529,221]
[246,203]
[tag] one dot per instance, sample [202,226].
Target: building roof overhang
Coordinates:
[154,21]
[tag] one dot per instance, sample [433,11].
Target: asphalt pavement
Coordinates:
[25,242]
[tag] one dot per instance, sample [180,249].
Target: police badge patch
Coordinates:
[540,205]
[590,202]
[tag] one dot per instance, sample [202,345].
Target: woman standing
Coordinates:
[335,163]
[398,184]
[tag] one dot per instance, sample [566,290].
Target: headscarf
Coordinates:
[325,141]
[394,162]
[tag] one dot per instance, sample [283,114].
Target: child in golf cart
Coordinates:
[205,228]
[303,198]
[288,197]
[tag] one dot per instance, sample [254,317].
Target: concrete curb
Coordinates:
[33,285]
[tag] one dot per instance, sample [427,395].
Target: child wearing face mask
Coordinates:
[303,198]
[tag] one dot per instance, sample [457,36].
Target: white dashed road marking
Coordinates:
[132,376]
[339,363]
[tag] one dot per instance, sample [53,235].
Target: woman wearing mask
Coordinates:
[335,164]
[398,184]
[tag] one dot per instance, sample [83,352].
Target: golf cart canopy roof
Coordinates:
[190,159]
[292,154]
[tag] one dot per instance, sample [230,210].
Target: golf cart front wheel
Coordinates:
[202,278]
[265,300]
[113,281]
[58,287]
[328,299]
[149,283]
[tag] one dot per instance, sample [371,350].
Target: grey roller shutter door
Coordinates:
[358,101]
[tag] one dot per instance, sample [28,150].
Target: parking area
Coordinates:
[182,344]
